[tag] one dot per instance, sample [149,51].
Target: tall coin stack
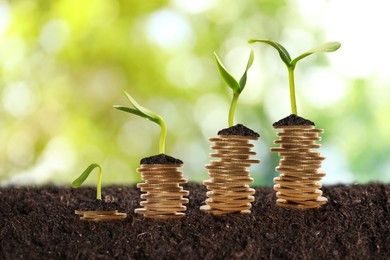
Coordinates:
[164,195]
[228,191]
[298,185]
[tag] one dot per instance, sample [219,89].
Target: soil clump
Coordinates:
[293,120]
[160,159]
[238,129]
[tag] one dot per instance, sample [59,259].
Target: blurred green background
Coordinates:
[65,63]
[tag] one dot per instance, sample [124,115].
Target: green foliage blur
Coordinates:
[65,63]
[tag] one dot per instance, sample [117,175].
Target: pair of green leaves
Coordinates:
[140,111]
[291,63]
[237,87]
[147,114]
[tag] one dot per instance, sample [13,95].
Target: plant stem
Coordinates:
[232,109]
[99,185]
[292,91]
[163,135]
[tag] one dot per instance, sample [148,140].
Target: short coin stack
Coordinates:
[298,185]
[164,195]
[101,215]
[228,190]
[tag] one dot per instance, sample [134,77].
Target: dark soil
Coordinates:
[160,159]
[238,129]
[39,223]
[293,120]
[98,205]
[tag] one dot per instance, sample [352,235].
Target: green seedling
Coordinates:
[80,180]
[237,87]
[291,63]
[147,114]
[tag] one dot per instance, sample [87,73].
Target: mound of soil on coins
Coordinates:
[293,120]
[97,205]
[39,223]
[160,159]
[238,129]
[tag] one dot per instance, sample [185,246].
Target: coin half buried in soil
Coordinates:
[298,185]
[228,191]
[164,195]
[101,215]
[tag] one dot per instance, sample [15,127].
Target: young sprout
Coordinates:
[291,63]
[147,114]
[237,87]
[77,182]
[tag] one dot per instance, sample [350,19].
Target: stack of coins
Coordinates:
[101,215]
[298,185]
[228,192]
[164,195]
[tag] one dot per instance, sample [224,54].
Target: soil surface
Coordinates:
[293,120]
[99,205]
[160,159]
[39,223]
[238,129]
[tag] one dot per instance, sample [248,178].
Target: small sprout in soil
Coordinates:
[291,63]
[237,87]
[80,180]
[147,114]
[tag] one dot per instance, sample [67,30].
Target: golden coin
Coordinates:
[230,178]
[299,185]
[290,191]
[295,206]
[160,166]
[241,181]
[166,216]
[292,175]
[231,194]
[228,207]
[221,185]
[162,207]
[233,149]
[238,137]
[160,214]
[165,195]
[100,216]
[166,201]
[229,172]
[105,217]
[299,196]
[207,208]
[95,212]
[285,180]
[163,181]
[293,127]
[230,142]
[162,174]
[159,185]
[224,167]
[230,201]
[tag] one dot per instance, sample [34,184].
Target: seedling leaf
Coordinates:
[80,180]
[147,114]
[327,47]
[135,112]
[226,76]
[245,75]
[282,51]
